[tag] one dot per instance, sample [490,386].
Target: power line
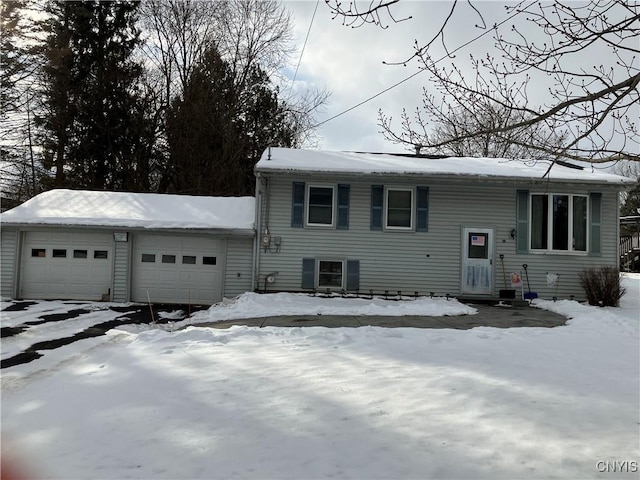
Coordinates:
[295,75]
[420,71]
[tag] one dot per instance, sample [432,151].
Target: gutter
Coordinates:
[245,232]
[624,183]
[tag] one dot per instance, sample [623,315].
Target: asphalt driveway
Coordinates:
[487,316]
[33,334]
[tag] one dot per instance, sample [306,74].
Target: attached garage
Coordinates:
[82,245]
[178,268]
[66,264]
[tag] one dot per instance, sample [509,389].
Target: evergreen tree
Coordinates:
[18,41]
[631,204]
[97,129]
[219,129]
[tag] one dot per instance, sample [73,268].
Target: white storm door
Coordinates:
[477,261]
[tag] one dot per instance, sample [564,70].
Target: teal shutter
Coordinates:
[377,198]
[353,275]
[595,216]
[522,221]
[297,205]
[343,207]
[422,209]
[308,273]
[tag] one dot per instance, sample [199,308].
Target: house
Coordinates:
[139,247]
[336,221]
[362,221]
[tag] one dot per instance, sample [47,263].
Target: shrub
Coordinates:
[602,286]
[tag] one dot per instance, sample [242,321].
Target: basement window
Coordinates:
[330,274]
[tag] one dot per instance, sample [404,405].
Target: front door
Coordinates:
[477,261]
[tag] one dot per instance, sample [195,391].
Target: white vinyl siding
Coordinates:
[8,258]
[238,266]
[121,271]
[413,261]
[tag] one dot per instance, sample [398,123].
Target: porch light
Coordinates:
[513,233]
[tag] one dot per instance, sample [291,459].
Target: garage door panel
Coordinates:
[177,273]
[66,276]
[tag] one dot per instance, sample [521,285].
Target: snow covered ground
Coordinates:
[335,403]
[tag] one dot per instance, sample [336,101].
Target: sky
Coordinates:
[349,63]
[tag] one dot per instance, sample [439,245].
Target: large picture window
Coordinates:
[559,222]
[399,208]
[320,207]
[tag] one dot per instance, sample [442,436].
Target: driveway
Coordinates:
[31,328]
[487,316]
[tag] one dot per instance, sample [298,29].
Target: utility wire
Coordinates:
[295,75]
[421,71]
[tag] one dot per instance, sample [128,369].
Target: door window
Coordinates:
[478,245]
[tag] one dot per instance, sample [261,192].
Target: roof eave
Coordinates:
[250,232]
[445,176]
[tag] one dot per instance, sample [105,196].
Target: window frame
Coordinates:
[412,216]
[342,273]
[307,205]
[209,260]
[189,262]
[550,224]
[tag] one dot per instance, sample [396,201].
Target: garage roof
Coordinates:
[358,163]
[134,210]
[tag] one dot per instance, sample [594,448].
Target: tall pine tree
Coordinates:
[97,132]
[218,129]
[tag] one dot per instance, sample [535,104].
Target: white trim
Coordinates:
[342,276]
[550,249]
[307,204]
[385,208]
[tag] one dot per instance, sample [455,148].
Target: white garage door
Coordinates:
[66,265]
[177,269]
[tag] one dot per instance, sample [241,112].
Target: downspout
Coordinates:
[256,238]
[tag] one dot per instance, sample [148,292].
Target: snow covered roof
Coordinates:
[134,210]
[317,161]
